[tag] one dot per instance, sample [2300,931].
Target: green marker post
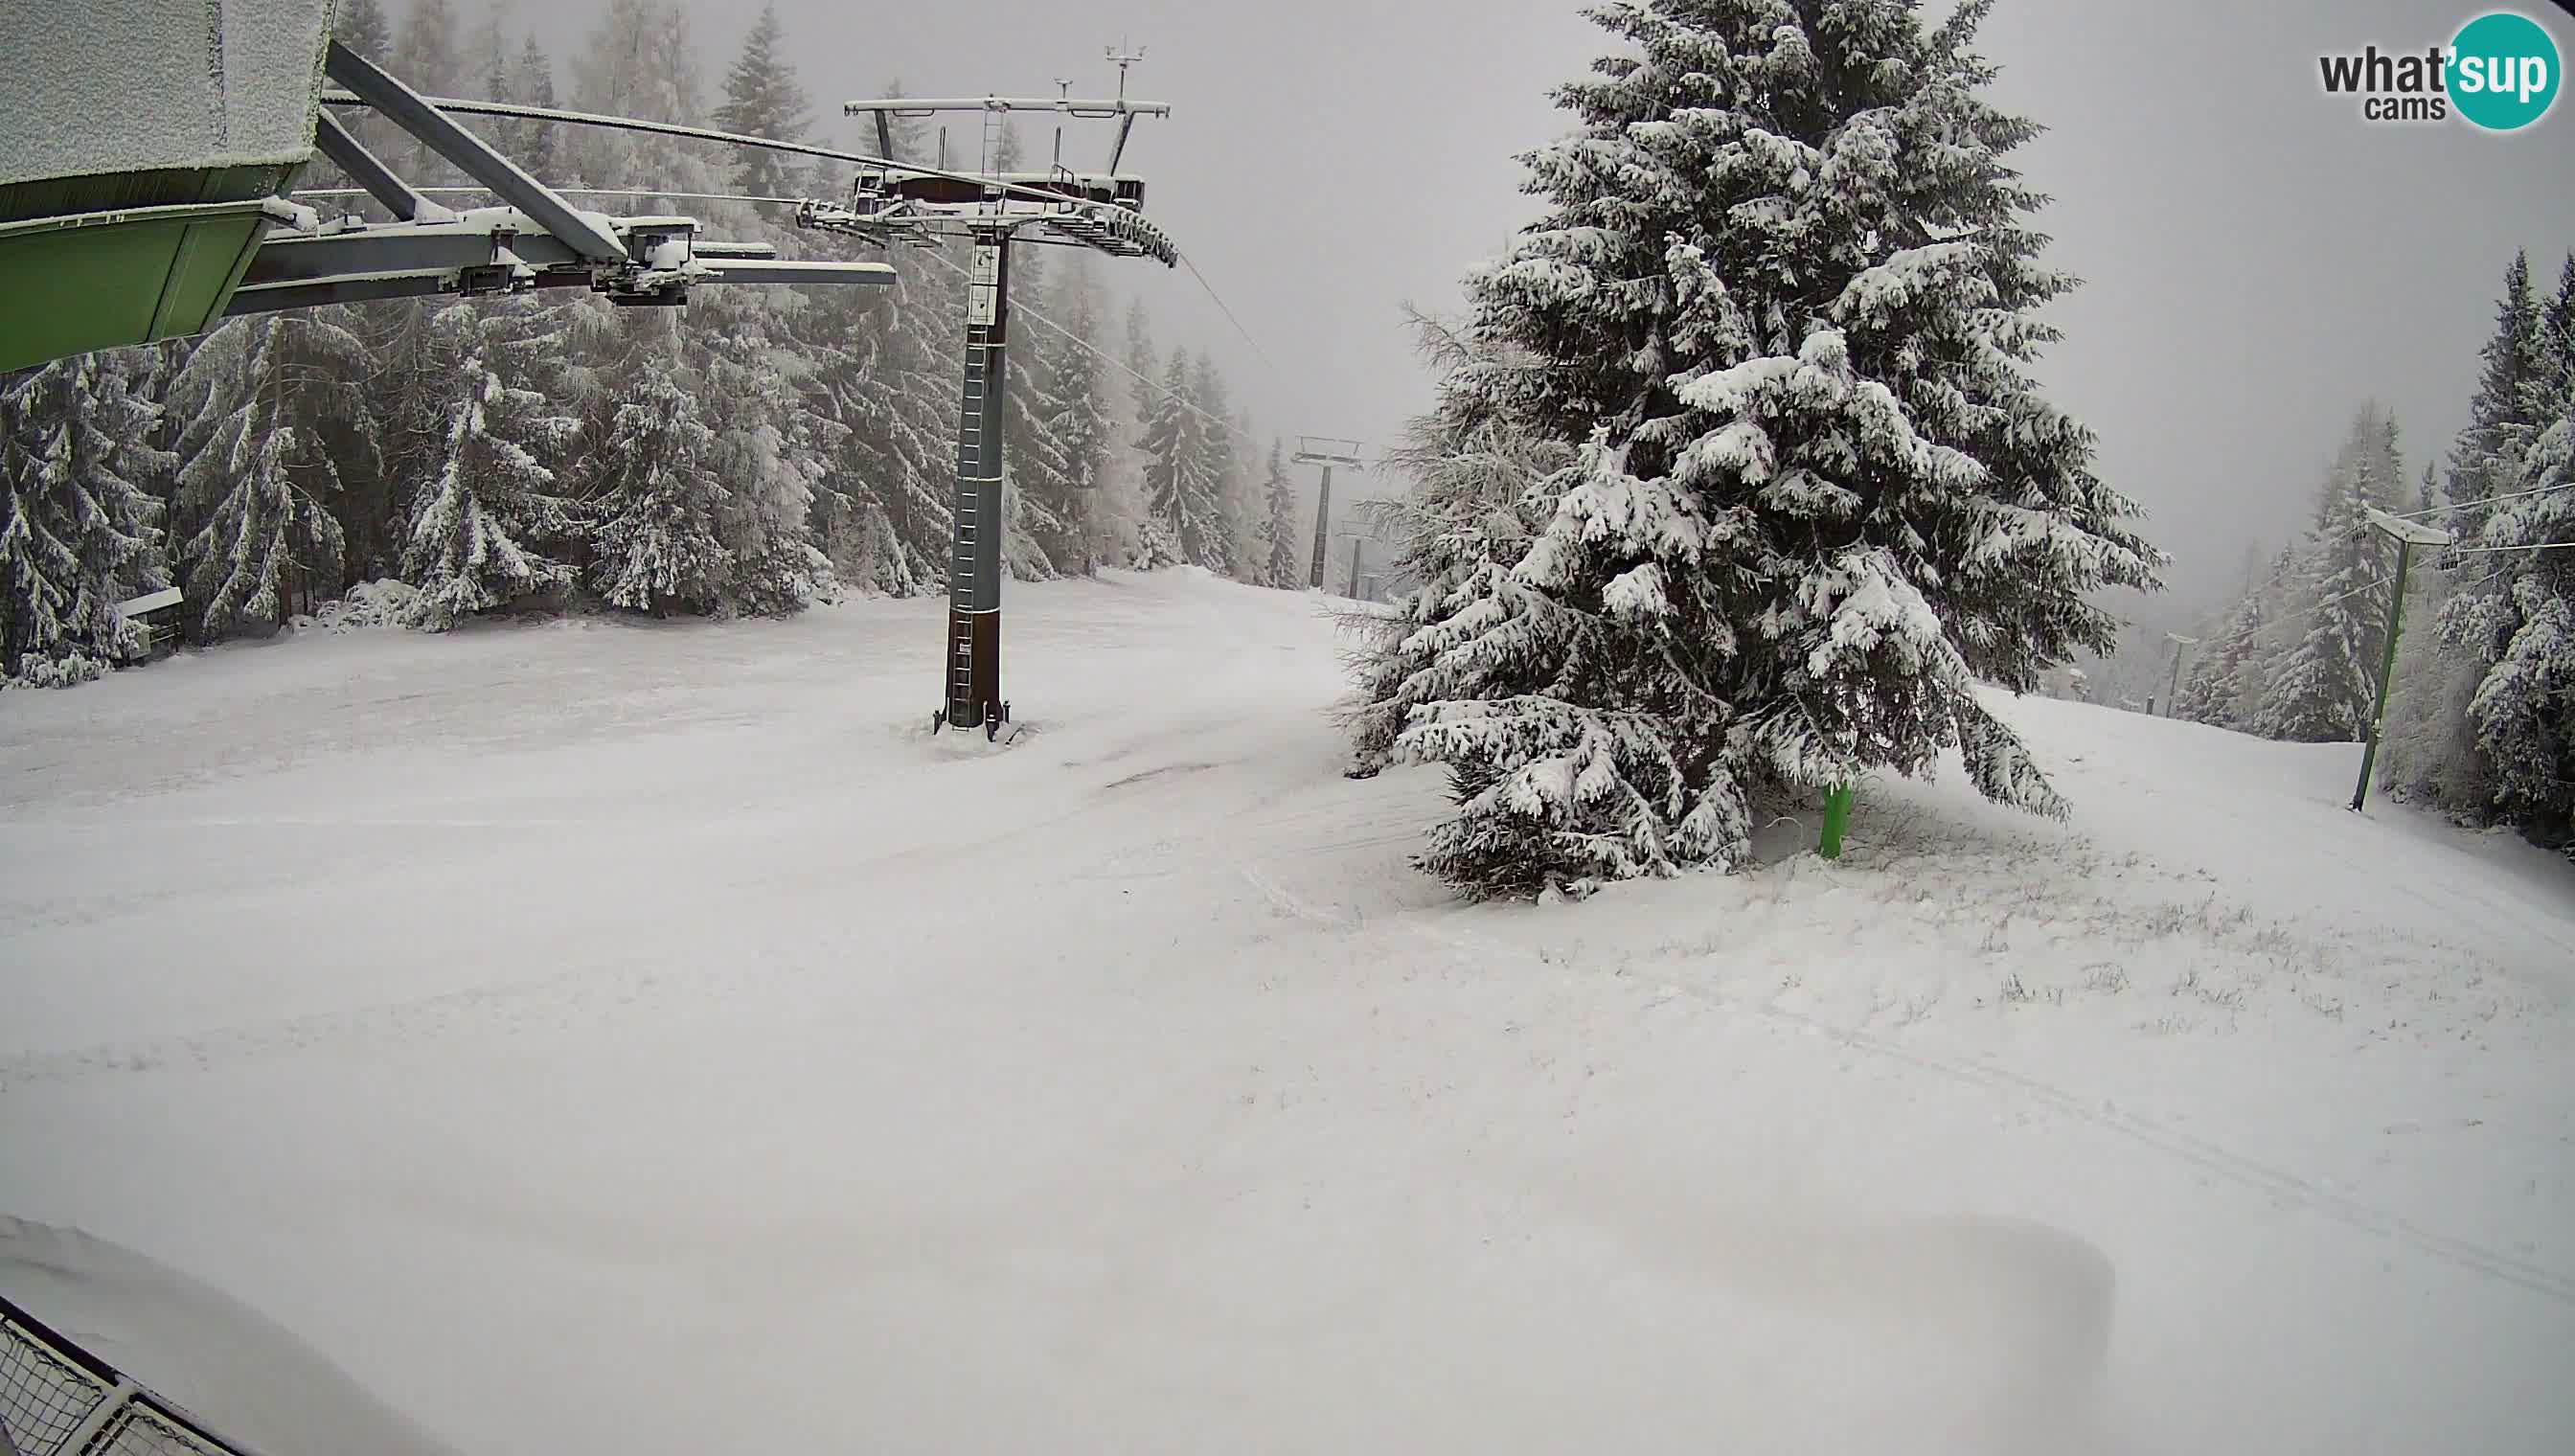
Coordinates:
[1837,807]
[2408,535]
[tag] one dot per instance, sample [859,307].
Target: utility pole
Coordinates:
[1102,211]
[2408,535]
[1354,568]
[2172,694]
[1328,453]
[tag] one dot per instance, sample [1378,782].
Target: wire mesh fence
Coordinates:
[57,1399]
[143,1429]
[47,1388]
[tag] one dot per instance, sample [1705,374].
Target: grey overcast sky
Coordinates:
[2258,260]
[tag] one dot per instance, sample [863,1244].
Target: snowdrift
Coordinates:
[232,1368]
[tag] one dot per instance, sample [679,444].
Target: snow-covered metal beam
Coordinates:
[754,270]
[1327,450]
[480,238]
[2412,533]
[501,249]
[580,230]
[379,180]
[283,297]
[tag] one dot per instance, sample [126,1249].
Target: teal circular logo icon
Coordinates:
[2503,72]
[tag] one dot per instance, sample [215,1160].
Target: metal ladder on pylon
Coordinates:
[961,671]
[994,120]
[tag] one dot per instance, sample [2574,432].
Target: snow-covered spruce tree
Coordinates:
[484,61]
[2524,708]
[640,60]
[1786,294]
[2221,684]
[2469,617]
[251,520]
[1128,505]
[430,58]
[839,333]
[764,99]
[1181,485]
[2500,426]
[1144,363]
[925,369]
[1478,499]
[881,510]
[1277,545]
[2324,689]
[1158,545]
[1082,424]
[532,83]
[489,523]
[764,454]
[1249,486]
[1218,545]
[655,502]
[79,529]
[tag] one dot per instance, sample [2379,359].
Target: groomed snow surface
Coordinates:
[618,1038]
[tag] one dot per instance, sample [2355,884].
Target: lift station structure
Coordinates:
[1102,211]
[156,206]
[153,199]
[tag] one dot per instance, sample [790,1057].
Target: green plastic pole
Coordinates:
[1837,804]
[2386,672]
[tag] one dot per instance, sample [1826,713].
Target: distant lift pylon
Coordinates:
[1327,452]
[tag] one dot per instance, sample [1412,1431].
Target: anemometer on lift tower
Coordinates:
[1098,209]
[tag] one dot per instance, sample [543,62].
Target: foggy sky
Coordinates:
[2258,261]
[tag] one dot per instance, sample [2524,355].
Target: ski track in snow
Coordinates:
[674,993]
[2199,1152]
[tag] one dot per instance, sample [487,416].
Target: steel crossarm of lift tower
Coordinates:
[534,239]
[511,110]
[1108,228]
[501,249]
[1326,450]
[1124,110]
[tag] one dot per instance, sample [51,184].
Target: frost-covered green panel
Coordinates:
[108,280]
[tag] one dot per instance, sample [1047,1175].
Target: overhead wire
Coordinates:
[1086,347]
[467,106]
[2488,500]
[1218,301]
[2504,550]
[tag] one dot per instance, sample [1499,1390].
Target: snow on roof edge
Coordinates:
[113,86]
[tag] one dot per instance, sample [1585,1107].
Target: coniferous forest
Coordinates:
[2481,707]
[758,450]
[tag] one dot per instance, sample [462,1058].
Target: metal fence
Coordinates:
[57,1399]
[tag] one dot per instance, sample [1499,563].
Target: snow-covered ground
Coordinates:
[648,1040]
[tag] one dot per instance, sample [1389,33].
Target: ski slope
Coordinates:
[645,1039]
